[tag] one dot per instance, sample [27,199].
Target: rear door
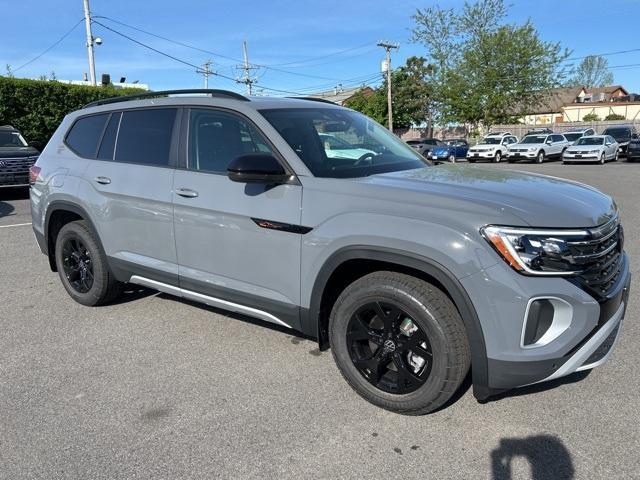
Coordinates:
[129,185]
[238,244]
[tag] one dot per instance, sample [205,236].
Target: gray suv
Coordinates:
[412,273]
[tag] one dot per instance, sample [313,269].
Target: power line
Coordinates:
[50,47]
[322,56]
[619,52]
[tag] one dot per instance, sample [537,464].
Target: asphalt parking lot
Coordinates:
[155,387]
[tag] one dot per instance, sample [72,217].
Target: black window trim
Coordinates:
[104,131]
[66,135]
[183,158]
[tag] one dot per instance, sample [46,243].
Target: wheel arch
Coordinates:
[315,319]
[59,213]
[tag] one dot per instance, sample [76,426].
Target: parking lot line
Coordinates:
[15,225]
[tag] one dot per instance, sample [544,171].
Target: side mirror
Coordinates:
[634,135]
[256,168]
[548,142]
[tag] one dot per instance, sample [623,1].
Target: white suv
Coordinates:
[538,147]
[493,147]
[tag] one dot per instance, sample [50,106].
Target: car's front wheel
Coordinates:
[83,267]
[399,342]
[602,159]
[452,158]
[497,157]
[540,157]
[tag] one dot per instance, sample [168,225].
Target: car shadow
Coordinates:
[132,293]
[540,387]
[547,456]
[8,194]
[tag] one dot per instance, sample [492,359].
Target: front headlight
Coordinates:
[594,151]
[532,149]
[535,252]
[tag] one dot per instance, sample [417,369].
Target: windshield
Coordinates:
[590,141]
[311,131]
[572,137]
[534,139]
[11,139]
[618,132]
[491,141]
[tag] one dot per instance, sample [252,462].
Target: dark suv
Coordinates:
[623,135]
[16,157]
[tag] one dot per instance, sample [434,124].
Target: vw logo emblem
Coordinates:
[389,346]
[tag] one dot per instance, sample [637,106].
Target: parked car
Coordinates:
[412,273]
[623,135]
[575,134]
[336,147]
[493,147]
[538,148]
[451,150]
[424,145]
[633,150]
[16,157]
[595,148]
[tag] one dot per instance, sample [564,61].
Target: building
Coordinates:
[571,104]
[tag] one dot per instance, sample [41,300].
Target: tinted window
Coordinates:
[109,138]
[216,138]
[145,136]
[85,134]
[618,133]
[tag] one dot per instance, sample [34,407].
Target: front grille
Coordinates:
[16,165]
[599,258]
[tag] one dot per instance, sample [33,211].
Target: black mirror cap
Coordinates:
[257,168]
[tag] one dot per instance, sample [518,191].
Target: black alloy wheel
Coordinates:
[388,348]
[77,264]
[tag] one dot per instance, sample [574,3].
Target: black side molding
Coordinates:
[282,227]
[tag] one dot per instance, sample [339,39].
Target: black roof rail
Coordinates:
[315,99]
[165,93]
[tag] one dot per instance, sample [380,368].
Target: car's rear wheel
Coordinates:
[497,157]
[83,267]
[399,342]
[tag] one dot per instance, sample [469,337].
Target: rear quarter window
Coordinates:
[144,136]
[85,133]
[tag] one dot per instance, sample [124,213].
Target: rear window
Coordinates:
[618,132]
[145,136]
[85,134]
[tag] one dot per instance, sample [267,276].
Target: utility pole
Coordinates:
[206,72]
[87,24]
[388,46]
[247,79]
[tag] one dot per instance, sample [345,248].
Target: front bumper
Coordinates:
[585,157]
[500,297]
[522,155]
[14,179]
[484,155]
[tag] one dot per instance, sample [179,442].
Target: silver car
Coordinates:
[595,148]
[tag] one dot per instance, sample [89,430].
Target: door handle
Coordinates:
[186,192]
[103,180]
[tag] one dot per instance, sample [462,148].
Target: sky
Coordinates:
[298,47]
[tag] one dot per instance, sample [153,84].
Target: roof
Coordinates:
[552,101]
[8,127]
[608,89]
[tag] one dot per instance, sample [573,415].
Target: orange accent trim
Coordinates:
[498,242]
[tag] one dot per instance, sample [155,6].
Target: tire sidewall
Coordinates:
[75,230]
[420,313]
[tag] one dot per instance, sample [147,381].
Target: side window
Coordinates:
[145,136]
[108,143]
[216,138]
[85,134]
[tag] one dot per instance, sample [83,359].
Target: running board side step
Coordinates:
[206,299]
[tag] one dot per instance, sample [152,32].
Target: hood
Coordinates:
[582,148]
[18,152]
[485,145]
[538,200]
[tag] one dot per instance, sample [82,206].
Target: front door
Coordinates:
[228,252]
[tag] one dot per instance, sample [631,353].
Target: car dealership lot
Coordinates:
[155,387]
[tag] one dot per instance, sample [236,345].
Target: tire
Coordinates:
[435,318]
[540,157]
[99,285]
[452,158]
[471,160]
[615,159]
[497,157]
[602,159]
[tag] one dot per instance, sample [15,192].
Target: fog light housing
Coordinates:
[545,319]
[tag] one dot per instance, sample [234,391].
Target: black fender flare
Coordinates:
[475,336]
[58,205]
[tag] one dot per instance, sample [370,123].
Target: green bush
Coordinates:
[591,117]
[615,116]
[36,107]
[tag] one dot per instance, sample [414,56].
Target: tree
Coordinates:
[591,117]
[486,71]
[372,103]
[593,71]
[615,116]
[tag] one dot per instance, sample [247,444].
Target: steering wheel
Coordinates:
[366,157]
